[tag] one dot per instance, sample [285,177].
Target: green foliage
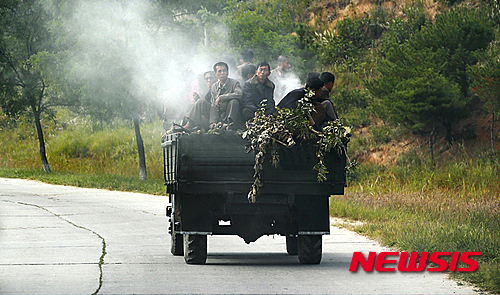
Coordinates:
[287,127]
[413,92]
[455,36]
[24,27]
[352,38]
[423,82]
[353,105]
[493,6]
[401,30]
[486,78]
[271,28]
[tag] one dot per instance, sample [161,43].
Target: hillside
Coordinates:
[472,133]
[329,12]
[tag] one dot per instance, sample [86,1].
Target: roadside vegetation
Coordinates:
[83,153]
[418,83]
[415,206]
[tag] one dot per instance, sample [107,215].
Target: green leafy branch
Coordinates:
[287,127]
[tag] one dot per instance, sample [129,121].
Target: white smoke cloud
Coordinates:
[285,85]
[157,58]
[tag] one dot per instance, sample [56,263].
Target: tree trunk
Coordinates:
[206,36]
[140,149]
[449,136]
[432,139]
[492,138]
[41,140]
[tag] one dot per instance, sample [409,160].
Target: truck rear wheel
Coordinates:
[292,245]
[176,243]
[309,249]
[195,249]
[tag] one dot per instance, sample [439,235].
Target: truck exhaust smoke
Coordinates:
[124,51]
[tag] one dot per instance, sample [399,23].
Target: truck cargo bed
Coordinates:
[218,164]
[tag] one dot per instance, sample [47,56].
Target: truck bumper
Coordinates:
[285,215]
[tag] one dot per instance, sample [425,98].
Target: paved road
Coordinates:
[67,240]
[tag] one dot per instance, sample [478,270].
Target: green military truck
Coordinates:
[208,178]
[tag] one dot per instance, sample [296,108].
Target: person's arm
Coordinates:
[271,104]
[247,97]
[235,92]
[214,110]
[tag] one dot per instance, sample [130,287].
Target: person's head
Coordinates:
[312,74]
[263,71]
[329,79]
[221,70]
[232,65]
[315,84]
[284,63]
[246,55]
[248,71]
[209,78]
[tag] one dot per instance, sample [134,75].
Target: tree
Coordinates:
[415,94]
[271,28]
[197,19]
[351,40]
[419,78]
[457,35]
[27,51]
[402,29]
[486,83]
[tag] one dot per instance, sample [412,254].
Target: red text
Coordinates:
[414,261]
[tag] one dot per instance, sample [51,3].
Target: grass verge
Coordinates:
[108,181]
[432,222]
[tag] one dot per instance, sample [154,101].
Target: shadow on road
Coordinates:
[337,260]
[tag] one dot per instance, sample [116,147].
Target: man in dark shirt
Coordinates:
[258,89]
[290,100]
[324,97]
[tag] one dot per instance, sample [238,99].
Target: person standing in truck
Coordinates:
[247,73]
[246,58]
[226,98]
[324,97]
[199,114]
[258,89]
[281,77]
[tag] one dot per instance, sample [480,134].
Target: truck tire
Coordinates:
[195,249]
[176,243]
[309,249]
[292,245]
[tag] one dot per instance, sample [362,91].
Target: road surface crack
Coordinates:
[103,253]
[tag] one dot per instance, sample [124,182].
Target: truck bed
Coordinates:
[211,164]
